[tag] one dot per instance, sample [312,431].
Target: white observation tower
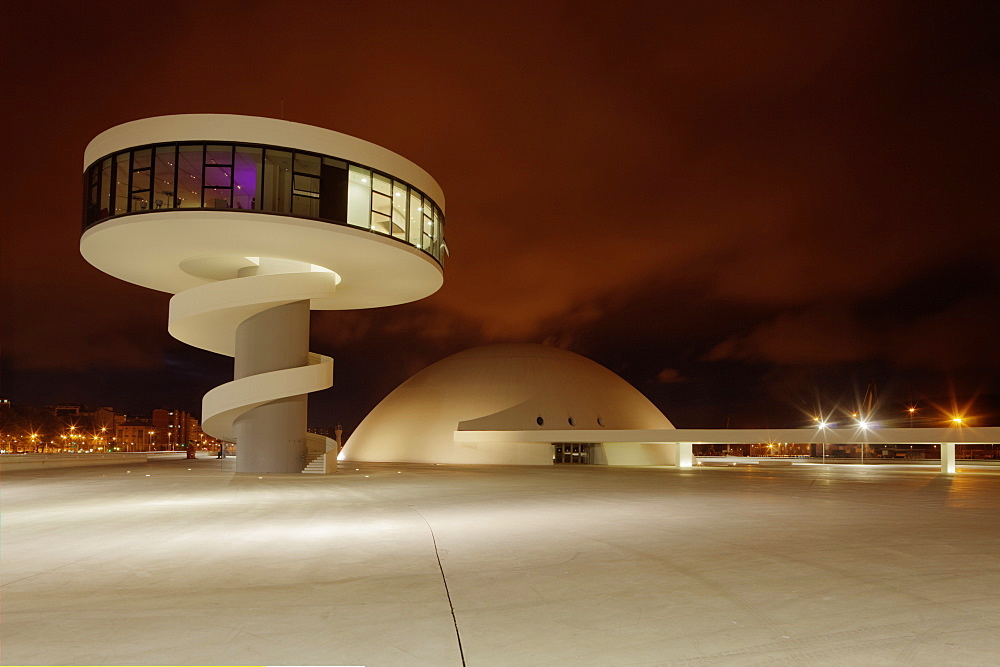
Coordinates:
[251,223]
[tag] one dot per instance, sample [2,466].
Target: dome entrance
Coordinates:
[580,453]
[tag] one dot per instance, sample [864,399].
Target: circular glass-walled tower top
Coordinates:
[173,201]
[252,222]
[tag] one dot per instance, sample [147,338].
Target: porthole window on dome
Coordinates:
[540,421]
[572,422]
[600,421]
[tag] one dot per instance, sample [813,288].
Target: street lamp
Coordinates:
[822,425]
[864,424]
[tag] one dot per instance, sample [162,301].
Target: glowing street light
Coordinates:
[822,425]
[864,424]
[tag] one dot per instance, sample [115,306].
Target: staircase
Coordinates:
[316,465]
[321,455]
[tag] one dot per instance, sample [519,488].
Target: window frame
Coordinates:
[92,178]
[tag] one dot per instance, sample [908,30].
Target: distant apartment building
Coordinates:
[174,429]
[134,435]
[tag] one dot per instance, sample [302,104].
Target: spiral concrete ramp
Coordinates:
[209,316]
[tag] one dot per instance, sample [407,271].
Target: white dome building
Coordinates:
[516,388]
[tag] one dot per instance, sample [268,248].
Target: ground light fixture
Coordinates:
[251,223]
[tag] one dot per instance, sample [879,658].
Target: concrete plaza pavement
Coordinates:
[185,562]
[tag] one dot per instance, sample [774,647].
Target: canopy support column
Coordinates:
[948,457]
[685,457]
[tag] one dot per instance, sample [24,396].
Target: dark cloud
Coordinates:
[670,376]
[822,336]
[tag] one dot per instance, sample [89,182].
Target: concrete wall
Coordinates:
[639,454]
[12,462]
[507,453]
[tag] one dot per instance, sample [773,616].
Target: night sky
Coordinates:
[749,210]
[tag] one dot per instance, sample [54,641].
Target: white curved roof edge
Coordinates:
[699,436]
[157,250]
[260,130]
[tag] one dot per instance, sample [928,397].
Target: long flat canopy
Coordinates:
[737,436]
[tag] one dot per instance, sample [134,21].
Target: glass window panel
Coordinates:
[219,154]
[105,201]
[305,185]
[399,227]
[441,243]
[359,197]
[163,177]
[415,218]
[92,184]
[247,178]
[399,199]
[333,190]
[380,223]
[142,159]
[218,197]
[381,184]
[140,180]
[436,247]
[381,203]
[277,181]
[307,164]
[190,160]
[305,206]
[121,183]
[428,227]
[218,177]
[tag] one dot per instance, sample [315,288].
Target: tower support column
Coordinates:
[271,438]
